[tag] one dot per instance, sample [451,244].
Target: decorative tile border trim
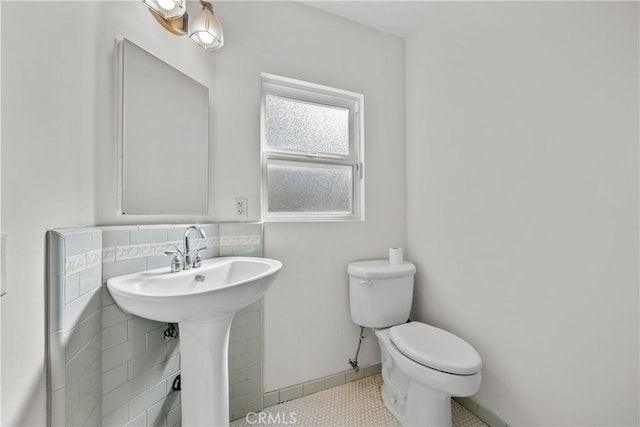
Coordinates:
[108,254]
[153,249]
[310,387]
[486,415]
[240,240]
[136,251]
[78,263]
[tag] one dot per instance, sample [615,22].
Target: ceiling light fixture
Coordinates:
[206,30]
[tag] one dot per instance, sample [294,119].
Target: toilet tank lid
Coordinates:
[380,269]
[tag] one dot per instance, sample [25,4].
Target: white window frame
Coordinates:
[324,95]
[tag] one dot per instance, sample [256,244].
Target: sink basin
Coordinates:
[221,286]
[203,302]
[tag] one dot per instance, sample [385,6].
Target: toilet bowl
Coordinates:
[418,394]
[422,366]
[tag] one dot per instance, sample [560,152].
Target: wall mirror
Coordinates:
[163,136]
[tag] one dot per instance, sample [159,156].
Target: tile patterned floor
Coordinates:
[355,404]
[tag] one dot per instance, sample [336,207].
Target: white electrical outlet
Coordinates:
[241,207]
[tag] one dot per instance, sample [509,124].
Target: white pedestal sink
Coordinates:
[202,301]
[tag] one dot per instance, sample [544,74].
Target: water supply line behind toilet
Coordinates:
[354,362]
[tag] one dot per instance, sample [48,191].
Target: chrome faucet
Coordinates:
[185,260]
[189,261]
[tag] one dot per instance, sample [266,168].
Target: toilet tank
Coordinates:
[380,293]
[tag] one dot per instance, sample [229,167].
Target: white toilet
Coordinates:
[422,366]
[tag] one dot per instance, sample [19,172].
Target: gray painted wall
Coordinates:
[522,195]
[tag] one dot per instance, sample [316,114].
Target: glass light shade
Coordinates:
[167,8]
[206,30]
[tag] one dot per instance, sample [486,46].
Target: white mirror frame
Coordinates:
[162,144]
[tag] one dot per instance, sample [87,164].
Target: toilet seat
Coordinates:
[436,348]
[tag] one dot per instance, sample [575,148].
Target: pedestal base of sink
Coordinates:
[204,372]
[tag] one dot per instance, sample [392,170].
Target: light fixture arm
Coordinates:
[178,26]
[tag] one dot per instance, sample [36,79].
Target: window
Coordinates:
[311,139]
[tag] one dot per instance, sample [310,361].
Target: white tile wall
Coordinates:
[111,368]
[245,361]
[75,330]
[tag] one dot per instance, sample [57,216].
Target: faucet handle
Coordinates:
[176,261]
[177,252]
[197,260]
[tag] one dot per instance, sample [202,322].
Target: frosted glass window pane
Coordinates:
[315,128]
[307,187]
